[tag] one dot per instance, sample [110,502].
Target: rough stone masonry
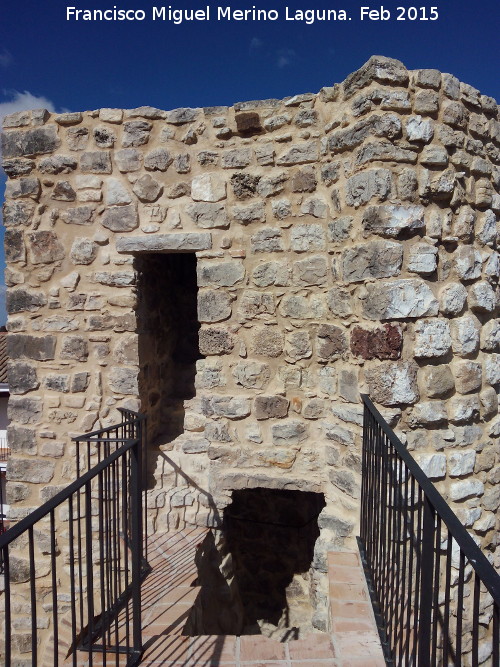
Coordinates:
[346,242]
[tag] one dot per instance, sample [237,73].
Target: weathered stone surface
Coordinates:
[271,273]
[96,162]
[136,133]
[20,300]
[244,185]
[368,184]
[377,68]
[467,262]
[45,247]
[490,336]
[18,213]
[128,159]
[22,377]
[340,229]
[393,383]
[427,413]
[215,340]
[147,188]
[30,142]
[57,164]
[339,301]
[298,345]
[83,251]
[399,299]
[384,343]
[116,193]
[124,380]
[267,239]
[467,488]
[482,297]
[302,308]
[231,407]
[376,259]
[432,338]
[208,215]
[22,346]
[159,159]
[236,159]
[255,212]
[486,228]
[269,407]
[331,342]
[15,250]
[299,154]
[114,278]
[268,342]
[463,409]
[465,335]
[289,434]
[310,271]
[452,298]
[81,215]
[120,218]
[308,237]
[391,220]
[386,125]
[25,410]
[437,381]
[63,192]
[57,382]
[223,274]
[213,306]
[492,368]
[418,129]
[74,347]
[468,376]
[251,374]
[422,259]
[23,188]
[433,465]
[175,242]
[256,304]
[268,186]
[182,116]
[77,138]
[461,463]
[36,471]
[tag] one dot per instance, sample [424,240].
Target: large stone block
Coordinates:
[175,242]
[45,247]
[213,306]
[378,68]
[208,215]
[215,340]
[124,380]
[20,300]
[289,434]
[270,407]
[251,374]
[231,407]
[25,410]
[399,299]
[36,471]
[465,335]
[391,219]
[268,342]
[437,381]
[393,383]
[22,377]
[22,440]
[383,343]
[23,346]
[432,338]
[362,187]
[331,342]
[376,259]
[30,142]
[310,271]
[220,274]
[120,218]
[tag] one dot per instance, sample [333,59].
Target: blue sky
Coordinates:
[47,61]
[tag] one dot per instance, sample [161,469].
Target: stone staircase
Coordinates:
[168,594]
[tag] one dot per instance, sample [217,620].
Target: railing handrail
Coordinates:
[132,418]
[475,556]
[41,512]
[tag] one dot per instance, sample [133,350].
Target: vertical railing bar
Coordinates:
[34,633]
[399,573]
[475,621]
[496,634]
[447,594]
[101,561]
[90,573]
[418,573]
[72,579]
[8,616]
[108,538]
[136,539]
[54,587]
[395,544]
[435,602]
[426,582]
[460,608]
[116,537]
[126,550]
[411,549]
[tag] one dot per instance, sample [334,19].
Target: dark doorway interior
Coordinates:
[168,339]
[265,554]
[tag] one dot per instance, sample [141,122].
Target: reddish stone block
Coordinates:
[382,343]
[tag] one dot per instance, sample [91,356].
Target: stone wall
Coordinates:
[345,243]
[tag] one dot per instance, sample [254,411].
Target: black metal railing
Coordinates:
[438,595]
[76,563]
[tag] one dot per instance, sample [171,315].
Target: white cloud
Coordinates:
[285,57]
[5,58]
[23,101]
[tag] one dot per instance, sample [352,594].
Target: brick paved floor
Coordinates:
[168,594]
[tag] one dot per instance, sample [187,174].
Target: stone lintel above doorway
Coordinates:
[185,242]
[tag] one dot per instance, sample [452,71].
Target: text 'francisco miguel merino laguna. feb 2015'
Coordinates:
[226,13]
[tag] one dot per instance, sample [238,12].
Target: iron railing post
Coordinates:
[426,584]
[136,543]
